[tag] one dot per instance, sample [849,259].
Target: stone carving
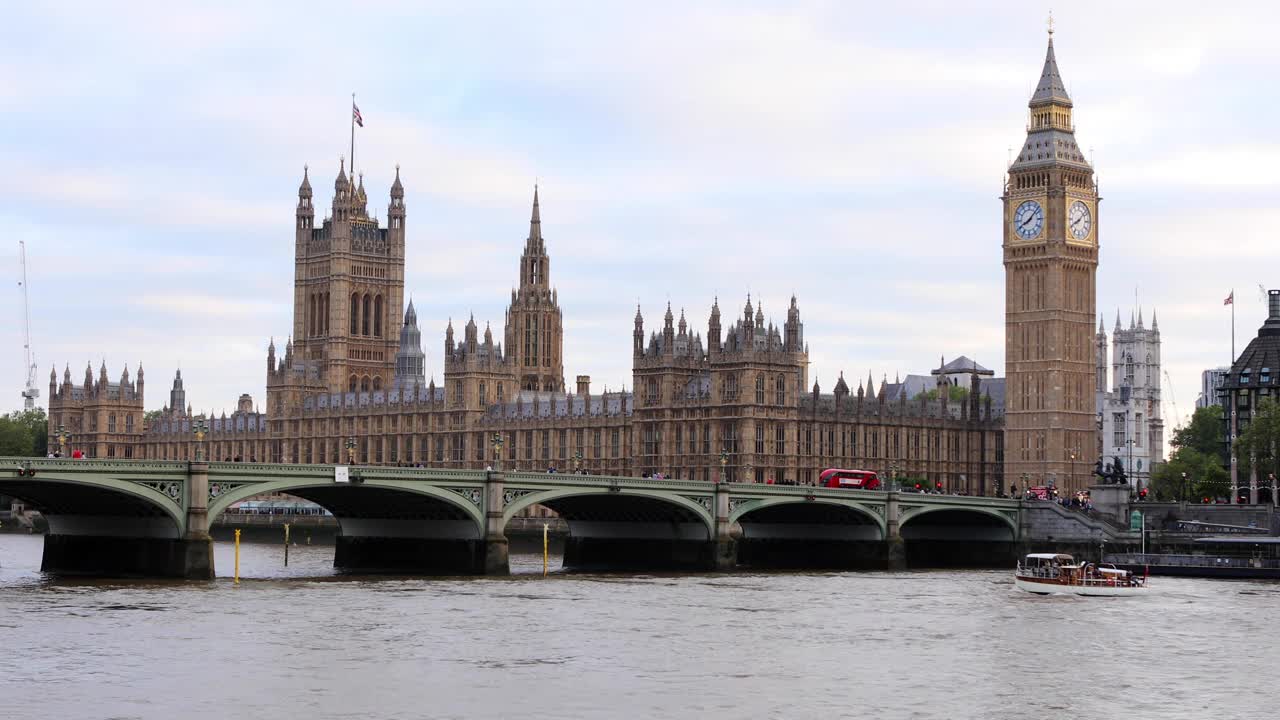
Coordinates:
[169,488]
[472,494]
[511,496]
[703,500]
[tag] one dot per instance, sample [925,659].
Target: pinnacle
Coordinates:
[1050,89]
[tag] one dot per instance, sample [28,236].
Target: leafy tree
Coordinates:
[1257,443]
[955,394]
[1198,452]
[24,433]
[151,416]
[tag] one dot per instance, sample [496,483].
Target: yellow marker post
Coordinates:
[237,576]
[544,549]
[286,544]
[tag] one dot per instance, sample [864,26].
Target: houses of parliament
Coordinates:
[735,403]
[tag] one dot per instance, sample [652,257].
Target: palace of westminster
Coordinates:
[735,404]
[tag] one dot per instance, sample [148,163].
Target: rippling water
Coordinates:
[301,642]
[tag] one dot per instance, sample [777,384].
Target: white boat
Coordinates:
[1059,574]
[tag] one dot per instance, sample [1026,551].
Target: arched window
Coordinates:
[324,312]
[355,315]
[364,384]
[1148,369]
[351,384]
[377,383]
[377,316]
[311,314]
[782,390]
[364,321]
[760,390]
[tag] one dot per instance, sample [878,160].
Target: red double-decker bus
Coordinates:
[854,479]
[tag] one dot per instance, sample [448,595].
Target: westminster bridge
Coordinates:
[152,518]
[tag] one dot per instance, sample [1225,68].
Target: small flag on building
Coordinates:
[1231,299]
[355,115]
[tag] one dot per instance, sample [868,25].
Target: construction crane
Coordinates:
[30,392]
[1173,401]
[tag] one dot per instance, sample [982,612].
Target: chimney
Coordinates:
[584,384]
[1273,304]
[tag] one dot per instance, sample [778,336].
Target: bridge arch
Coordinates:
[374,506]
[958,516]
[102,506]
[857,512]
[682,508]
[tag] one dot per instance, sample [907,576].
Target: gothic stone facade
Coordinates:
[736,406]
[101,419]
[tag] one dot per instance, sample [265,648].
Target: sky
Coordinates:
[852,153]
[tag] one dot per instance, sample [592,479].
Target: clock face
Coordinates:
[1028,219]
[1079,220]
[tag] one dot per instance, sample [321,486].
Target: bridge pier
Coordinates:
[895,548]
[724,551]
[496,549]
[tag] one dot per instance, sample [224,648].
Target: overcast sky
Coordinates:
[853,153]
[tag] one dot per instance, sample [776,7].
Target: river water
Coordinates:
[302,642]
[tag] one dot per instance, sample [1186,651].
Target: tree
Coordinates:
[1198,452]
[1257,443]
[24,433]
[151,416]
[955,394]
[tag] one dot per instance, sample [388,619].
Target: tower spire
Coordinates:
[535,220]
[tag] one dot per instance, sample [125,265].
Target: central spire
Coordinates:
[1050,89]
[535,220]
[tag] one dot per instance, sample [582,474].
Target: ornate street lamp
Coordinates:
[200,428]
[62,440]
[1182,490]
[724,464]
[577,462]
[746,473]
[351,451]
[1075,453]
[497,451]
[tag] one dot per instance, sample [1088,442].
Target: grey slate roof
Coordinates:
[1050,89]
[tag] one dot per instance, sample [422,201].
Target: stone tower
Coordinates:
[411,362]
[1050,245]
[535,337]
[348,289]
[1131,423]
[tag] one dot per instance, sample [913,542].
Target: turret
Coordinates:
[793,330]
[713,329]
[637,335]
[396,210]
[306,211]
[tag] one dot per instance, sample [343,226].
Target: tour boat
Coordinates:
[1055,573]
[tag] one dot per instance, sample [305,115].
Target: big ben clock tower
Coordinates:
[1051,259]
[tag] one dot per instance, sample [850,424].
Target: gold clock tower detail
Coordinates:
[1051,260]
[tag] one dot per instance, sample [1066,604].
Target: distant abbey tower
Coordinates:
[1051,260]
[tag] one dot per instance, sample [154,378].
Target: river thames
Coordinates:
[302,642]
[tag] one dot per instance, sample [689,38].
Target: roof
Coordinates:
[1050,89]
[962,364]
[1049,556]
[1261,352]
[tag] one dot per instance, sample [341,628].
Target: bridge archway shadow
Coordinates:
[392,530]
[119,530]
[629,531]
[810,535]
[958,538]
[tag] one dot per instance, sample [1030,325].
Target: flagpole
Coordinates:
[1233,327]
[352,113]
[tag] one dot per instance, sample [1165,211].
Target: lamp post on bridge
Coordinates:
[497,451]
[1075,453]
[746,473]
[199,427]
[577,463]
[351,451]
[724,464]
[893,476]
[62,440]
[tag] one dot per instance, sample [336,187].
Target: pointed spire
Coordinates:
[410,315]
[535,219]
[1117,320]
[1139,318]
[397,190]
[341,181]
[1101,330]
[871,386]
[1154,325]
[1050,89]
[304,190]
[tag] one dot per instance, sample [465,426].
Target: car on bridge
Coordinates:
[854,479]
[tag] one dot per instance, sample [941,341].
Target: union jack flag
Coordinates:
[355,115]
[1231,299]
